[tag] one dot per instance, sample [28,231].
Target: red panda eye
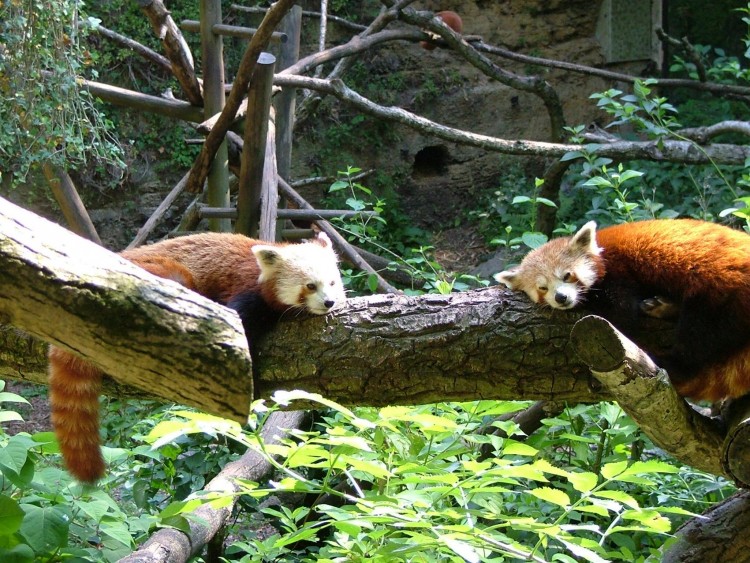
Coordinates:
[312,286]
[333,282]
[570,277]
[542,289]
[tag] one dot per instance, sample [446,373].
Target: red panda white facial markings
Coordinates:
[304,276]
[558,273]
[693,273]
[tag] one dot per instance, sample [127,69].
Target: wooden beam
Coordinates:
[232,31]
[254,147]
[212,46]
[144,102]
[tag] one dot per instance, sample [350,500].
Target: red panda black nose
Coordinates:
[561,298]
[329,303]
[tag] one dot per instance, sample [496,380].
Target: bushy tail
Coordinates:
[74,388]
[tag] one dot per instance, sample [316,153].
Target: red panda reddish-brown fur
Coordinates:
[221,267]
[699,271]
[452,20]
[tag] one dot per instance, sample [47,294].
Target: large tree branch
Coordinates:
[380,350]
[81,297]
[644,392]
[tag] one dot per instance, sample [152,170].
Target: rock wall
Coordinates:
[440,85]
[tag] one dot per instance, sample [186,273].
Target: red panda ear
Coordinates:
[268,257]
[585,239]
[322,239]
[509,278]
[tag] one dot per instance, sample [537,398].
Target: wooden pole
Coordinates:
[285,102]
[269,205]
[66,195]
[217,194]
[231,30]
[254,147]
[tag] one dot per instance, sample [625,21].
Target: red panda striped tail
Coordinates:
[74,387]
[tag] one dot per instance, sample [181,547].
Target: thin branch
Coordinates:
[702,135]
[147,53]
[668,151]
[305,13]
[172,545]
[719,89]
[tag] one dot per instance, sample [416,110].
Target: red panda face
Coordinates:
[304,276]
[558,273]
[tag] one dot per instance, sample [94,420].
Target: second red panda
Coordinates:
[452,20]
[260,280]
[694,271]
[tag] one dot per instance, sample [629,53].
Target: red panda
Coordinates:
[452,20]
[260,280]
[697,273]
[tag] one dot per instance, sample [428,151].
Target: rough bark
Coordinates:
[81,297]
[176,48]
[717,535]
[644,392]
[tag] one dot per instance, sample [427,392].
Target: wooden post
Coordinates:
[285,101]
[213,93]
[66,195]
[269,204]
[254,148]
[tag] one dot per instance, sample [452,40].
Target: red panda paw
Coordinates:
[660,307]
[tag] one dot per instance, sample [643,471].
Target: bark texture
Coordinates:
[88,301]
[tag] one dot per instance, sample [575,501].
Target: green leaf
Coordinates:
[372,283]
[95,509]
[355,204]
[6,397]
[553,496]
[511,447]
[11,516]
[16,452]
[618,496]
[44,529]
[10,416]
[338,185]
[545,201]
[628,174]
[119,532]
[649,518]
[533,239]
[521,199]
[582,552]
[19,554]
[611,470]
[583,482]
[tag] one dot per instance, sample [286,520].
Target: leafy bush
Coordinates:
[47,118]
[442,482]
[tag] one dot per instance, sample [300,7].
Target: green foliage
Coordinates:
[411,484]
[45,117]
[391,234]
[445,482]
